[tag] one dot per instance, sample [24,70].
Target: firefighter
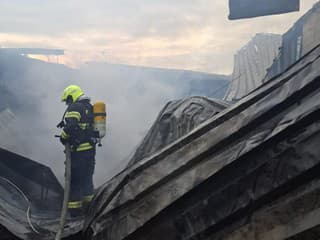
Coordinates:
[78,131]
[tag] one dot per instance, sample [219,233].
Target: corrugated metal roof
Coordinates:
[299,40]
[250,64]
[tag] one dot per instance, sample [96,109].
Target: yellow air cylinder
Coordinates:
[99,120]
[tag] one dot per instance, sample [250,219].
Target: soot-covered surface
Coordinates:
[30,200]
[194,186]
[175,120]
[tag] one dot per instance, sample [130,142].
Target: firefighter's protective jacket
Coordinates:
[78,129]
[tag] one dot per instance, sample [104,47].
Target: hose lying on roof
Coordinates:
[26,198]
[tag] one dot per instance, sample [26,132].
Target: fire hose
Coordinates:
[66,191]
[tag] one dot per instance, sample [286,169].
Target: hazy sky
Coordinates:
[184,34]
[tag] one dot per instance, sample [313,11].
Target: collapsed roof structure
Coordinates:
[251,63]
[238,175]
[175,120]
[31,198]
[297,42]
[247,171]
[214,182]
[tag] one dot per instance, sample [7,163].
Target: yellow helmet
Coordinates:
[73,92]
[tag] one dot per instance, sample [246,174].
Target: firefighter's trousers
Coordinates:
[81,185]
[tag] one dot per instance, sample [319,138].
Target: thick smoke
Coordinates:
[132,105]
[32,108]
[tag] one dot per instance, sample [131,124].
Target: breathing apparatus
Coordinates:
[99,120]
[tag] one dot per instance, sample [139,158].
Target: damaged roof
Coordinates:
[205,184]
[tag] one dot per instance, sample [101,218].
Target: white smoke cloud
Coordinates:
[133,102]
[132,106]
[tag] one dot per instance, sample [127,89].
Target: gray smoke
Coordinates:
[31,108]
[132,106]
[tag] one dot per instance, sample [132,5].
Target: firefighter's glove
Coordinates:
[63,140]
[61,124]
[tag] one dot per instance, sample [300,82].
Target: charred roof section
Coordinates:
[29,193]
[175,120]
[250,171]
[207,184]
